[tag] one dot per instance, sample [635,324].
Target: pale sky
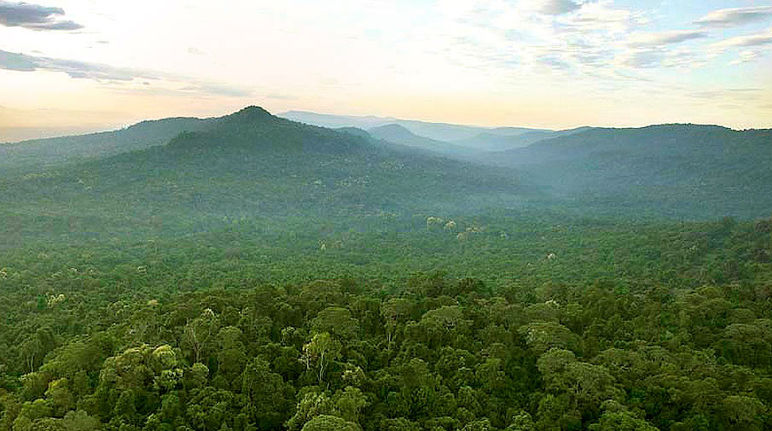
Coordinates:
[79,65]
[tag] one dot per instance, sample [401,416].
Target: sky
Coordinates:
[73,66]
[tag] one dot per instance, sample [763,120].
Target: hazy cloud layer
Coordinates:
[558,7]
[745,57]
[596,38]
[666,37]
[34,17]
[76,69]
[745,41]
[734,17]
[642,59]
[105,73]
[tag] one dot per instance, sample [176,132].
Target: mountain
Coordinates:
[245,165]
[437,131]
[492,142]
[401,135]
[512,131]
[336,121]
[489,141]
[254,164]
[679,170]
[455,132]
[354,131]
[41,153]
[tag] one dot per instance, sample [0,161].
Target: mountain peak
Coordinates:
[251,113]
[392,129]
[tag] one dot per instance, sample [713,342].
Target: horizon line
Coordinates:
[86,131]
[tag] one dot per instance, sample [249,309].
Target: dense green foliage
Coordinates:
[246,165]
[680,170]
[258,274]
[32,155]
[678,338]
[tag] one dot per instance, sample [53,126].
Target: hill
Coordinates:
[678,170]
[354,131]
[400,135]
[44,153]
[437,131]
[246,165]
[489,141]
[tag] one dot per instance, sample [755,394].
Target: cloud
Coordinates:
[597,40]
[17,62]
[278,96]
[34,17]
[665,37]
[531,35]
[642,59]
[655,50]
[746,56]
[735,17]
[554,62]
[557,7]
[735,95]
[660,57]
[73,68]
[106,73]
[745,41]
[218,89]
[601,17]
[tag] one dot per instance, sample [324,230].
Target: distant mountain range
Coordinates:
[487,141]
[37,154]
[398,134]
[676,169]
[448,139]
[254,164]
[437,131]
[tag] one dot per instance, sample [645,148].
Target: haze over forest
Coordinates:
[525,215]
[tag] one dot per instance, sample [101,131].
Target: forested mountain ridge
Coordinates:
[681,171]
[489,142]
[438,131]
[401,135]
[248,164]
[684,170]
[40,154]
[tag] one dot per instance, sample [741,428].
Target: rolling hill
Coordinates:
[44,153]
[183,175]
[249,164]
[678,170]
[437,131]
[488,141]
[401,135]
